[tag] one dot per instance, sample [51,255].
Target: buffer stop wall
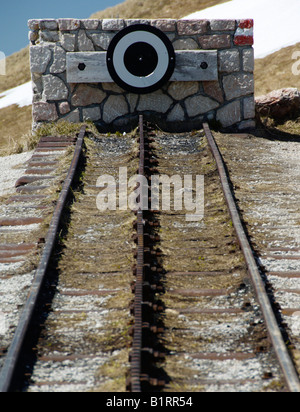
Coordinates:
[225,97]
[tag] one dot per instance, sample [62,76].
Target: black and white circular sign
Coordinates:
[140,59]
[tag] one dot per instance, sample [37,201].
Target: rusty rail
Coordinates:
[279,346]
[13,356]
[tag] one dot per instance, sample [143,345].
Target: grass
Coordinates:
[63,128]
[139,9]
[275,71]
[17,70]
[15,130]
[17,136]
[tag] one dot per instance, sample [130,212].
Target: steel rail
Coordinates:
[12,359]
[287,366]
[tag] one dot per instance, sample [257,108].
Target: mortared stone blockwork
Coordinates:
[177,106]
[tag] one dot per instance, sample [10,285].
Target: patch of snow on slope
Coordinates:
[20,95]
[276,22]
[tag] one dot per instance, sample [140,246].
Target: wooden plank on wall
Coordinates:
[196,65]
[95,70]
[191,65]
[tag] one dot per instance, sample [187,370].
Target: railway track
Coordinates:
[197,316]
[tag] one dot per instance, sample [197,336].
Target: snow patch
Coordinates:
[20,95]
[276,23]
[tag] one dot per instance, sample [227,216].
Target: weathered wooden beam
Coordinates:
[191,65]
[194,65]
[87,67]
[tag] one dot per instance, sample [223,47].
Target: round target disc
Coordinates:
[140,59]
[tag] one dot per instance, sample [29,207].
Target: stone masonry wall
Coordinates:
[178,106]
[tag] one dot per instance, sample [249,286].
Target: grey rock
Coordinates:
[185,44]
[177,114]
[199,105]
[238,85]
[116,106]
[229,114]
[157,102]
[59,63]
[34,24]
[64,108]
[54,88]
[68,41]
[91,113]
[248,60]
[33,36]
[51,36]
[229,61]
[49,24]
[181,90]
[84,43]
[279,104]
[73,117]
[43,111]
[90,24]
[40,56]
[68,24]
[222,25]
[113,24]
[102,39]
[249,107]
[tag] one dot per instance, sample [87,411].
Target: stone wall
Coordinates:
[179,106]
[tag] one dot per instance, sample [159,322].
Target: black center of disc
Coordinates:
[141,59]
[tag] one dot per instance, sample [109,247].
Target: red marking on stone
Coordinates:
[243,40]
[246,24]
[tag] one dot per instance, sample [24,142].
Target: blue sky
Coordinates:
[15,14]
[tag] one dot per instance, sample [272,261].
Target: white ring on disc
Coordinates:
[160,48]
